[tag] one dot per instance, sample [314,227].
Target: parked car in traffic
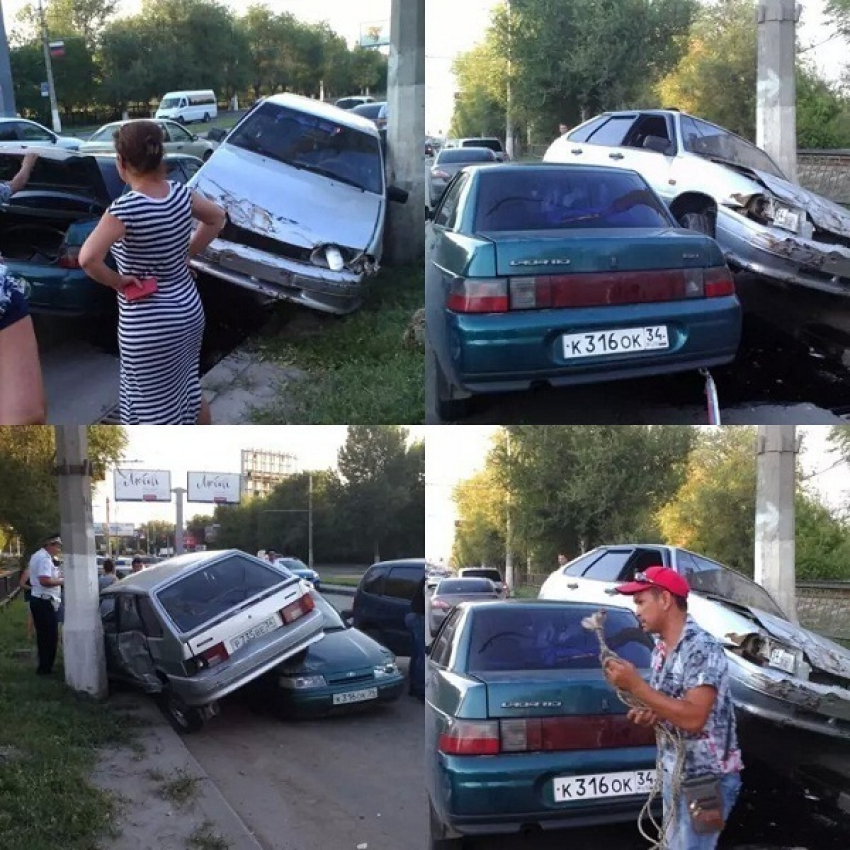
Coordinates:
[299,568]
[522,730]
[782,674]
[351,101]
[196,627]
[305,191]
[721,184]
[447,163]
[383,599]
[374,111]
[567,274]
[490,142]
[343,671]
[177,139]
[491,573]
[31,132]
[450,592]
[43,227]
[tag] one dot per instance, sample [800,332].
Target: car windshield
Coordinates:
[204,594]
[104,133]
[726,584]
[170,103]
[472,572]
[713,142]
[312,143]
[464,585]
[492,144]
[565,198]
[454,155]
[330,616]
[551,638]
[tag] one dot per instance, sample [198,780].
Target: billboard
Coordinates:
[142,485]
[223,488]
[116,529]
[375,34]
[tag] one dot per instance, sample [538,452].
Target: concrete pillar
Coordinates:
[776,112]
[7,89]
[85,661]
[404,235]
[180,492]
[774,544]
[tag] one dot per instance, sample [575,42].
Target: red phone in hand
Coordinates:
[135,293]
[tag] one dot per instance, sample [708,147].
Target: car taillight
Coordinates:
[619,288]
[69,256]
[485,295]
[441,604]
[297,609]
[215,655]
[440,174]
[470,738]
[555,734]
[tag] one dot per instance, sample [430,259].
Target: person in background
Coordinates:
[563,129]
[45,602]
[271,555]
[415,622]
[108,576]
[137,564]
[21,385]
[563,560]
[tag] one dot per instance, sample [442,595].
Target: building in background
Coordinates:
[263,470]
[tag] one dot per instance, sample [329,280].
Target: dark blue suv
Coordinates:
[382,600]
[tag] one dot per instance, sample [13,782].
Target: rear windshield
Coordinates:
[472,572]
[551,638]
[368,110]
[568,198]
[202,596]
[493,144]
[472,585]
[466,155]
[313,144]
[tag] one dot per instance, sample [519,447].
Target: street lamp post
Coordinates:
[51,88]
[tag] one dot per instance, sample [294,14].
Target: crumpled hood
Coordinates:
[825,214]
[338,652]
[289,204]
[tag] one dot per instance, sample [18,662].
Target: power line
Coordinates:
[821,471]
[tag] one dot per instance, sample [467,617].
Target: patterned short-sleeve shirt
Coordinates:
[698,659]
[13,291]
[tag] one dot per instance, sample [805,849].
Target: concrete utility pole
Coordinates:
[405,227]
[775,547]
[7,88]
[85,661]
[509,556]
[51,88]
[509,126]
[310,525]
[776,112]
[180,492]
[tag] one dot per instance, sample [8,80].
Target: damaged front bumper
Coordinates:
[313,286]
[781,255]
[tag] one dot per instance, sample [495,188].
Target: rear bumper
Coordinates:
[493,794]
[282,278]
[320,702]
[513,351]
[216,682]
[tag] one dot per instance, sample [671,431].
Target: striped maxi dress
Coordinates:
[159,337]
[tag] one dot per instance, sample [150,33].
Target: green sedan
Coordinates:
[177,139]
[345,670]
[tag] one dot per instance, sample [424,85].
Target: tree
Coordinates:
[29,491]
[839,438]
[197,527]
[481,102]
[481,531]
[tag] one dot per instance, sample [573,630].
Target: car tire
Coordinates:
[183,718]
[449,407]
[699,221]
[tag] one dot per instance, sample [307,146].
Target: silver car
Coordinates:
[194,628]
[447,163]
[450,592]
[177,139]
[720,184]
[305,191]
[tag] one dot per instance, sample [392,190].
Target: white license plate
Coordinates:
[600,343]
[356,696]
[783,660]
[787,219]
[593,786]
[263,628]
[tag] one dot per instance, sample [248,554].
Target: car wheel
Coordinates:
[700,222]
[183,718]
[449,406]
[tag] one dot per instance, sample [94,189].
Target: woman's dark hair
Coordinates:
[108,565]
[141,145]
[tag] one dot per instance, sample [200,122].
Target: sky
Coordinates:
[454,452]
[453,27]
[215,449]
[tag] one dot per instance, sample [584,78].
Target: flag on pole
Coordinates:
[57,49]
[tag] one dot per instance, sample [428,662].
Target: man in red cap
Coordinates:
[689,689]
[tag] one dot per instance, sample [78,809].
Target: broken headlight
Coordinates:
[763,650]
[768,210]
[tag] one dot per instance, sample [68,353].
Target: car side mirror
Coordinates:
[194,137]
[397,195]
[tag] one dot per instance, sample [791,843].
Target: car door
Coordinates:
[177,140]
[400,587]
[126,642]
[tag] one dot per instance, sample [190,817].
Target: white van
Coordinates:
[186,106]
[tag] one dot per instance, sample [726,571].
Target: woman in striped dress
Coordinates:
[149,231]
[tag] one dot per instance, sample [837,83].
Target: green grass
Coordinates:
[342,581]
[48,749]
[359,370]
[180,789]
[205,838]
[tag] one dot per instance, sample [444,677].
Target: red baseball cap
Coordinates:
[662,577]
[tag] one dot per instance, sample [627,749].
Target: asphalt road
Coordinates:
[793,366]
